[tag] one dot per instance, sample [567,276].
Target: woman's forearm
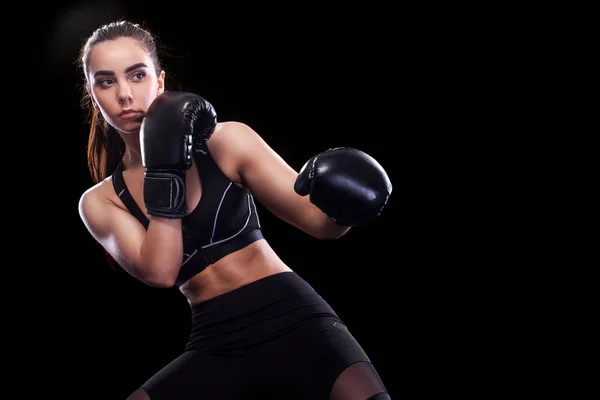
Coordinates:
[162,251]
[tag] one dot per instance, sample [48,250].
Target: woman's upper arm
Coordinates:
[270,179]
[116,230]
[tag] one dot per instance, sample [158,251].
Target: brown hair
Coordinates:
[105,147]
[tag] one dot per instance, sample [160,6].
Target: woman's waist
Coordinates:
[253,262]
[255,312]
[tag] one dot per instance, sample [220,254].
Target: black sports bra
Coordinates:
[225,219]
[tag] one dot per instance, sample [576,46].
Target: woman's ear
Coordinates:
[161,83]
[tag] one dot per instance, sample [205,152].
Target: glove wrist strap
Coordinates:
[164,194]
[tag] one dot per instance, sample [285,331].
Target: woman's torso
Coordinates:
[252,262]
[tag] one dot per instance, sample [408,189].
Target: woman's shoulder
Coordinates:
[223,146]
[227,130]
[99,192]
[232,136]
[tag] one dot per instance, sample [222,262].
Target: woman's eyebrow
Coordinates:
[128,69]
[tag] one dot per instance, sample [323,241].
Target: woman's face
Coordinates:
[123,82]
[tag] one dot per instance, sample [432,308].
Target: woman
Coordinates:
[173,204]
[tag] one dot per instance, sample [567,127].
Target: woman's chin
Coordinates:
[130,128]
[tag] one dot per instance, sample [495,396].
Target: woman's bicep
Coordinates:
[116,230]
[271,181]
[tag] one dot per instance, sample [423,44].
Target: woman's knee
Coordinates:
[139,394]
[359,381]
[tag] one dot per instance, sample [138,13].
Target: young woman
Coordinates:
[174,204]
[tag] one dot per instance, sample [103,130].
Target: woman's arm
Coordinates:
[271,180]
[153,256]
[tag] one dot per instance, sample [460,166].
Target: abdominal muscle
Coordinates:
[253,262]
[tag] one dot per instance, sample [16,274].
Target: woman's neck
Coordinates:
[133,156]
[131,159]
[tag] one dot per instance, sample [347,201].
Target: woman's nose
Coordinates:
[125,96]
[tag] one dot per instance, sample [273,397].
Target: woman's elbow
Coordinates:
[330,231]
[333,235]
[161,282]
[158,278]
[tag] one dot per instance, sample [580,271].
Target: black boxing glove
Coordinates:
[172,123]
[347,184]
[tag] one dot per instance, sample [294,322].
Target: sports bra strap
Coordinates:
[125,196]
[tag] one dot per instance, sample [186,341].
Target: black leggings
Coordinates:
[273,339]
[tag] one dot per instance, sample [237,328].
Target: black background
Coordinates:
[306,79]
[433,290]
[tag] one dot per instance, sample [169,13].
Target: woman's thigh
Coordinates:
[195,375]
[306,362]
